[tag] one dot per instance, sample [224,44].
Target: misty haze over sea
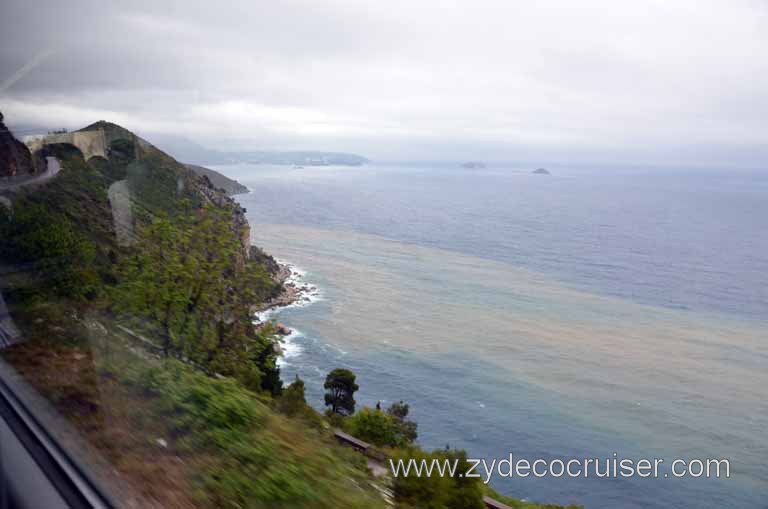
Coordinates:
[572,316]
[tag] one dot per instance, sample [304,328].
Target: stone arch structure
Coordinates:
[90,143]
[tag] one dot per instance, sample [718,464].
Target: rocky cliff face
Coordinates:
[219,198]
[229,186]
[15,158]
[258,255]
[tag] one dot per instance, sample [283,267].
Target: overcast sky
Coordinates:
[668,81]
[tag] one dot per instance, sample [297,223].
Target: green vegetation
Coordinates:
[182,286]
[435,491]
[62,231]
[384,429]
[376,427]
[399,411]
[37,235]
[340,389]
[260,456]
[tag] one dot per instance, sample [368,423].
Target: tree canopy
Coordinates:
[340,388]
[181,283]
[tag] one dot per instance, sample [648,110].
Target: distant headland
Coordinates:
[184,149]
[230,186]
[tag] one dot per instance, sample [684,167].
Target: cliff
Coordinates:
[15,158]
[229,186]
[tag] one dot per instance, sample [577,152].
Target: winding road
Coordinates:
[53,167]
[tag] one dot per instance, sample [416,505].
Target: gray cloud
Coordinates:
[600,80]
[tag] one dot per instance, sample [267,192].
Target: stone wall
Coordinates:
[90,143]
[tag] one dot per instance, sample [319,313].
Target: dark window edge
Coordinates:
[63,472]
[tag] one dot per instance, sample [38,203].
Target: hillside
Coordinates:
[229,186]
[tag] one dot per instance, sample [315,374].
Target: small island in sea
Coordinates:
[473,165]
[541,171]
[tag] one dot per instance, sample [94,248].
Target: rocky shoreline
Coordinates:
[294,291]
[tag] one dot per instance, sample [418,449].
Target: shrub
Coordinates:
[377,427]
[255,458]
[436,491]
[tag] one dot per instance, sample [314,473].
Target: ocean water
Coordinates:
[578,315]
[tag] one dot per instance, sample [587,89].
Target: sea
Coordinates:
[591,313]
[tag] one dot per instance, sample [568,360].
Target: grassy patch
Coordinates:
[185,439]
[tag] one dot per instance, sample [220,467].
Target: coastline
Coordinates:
[295,293]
